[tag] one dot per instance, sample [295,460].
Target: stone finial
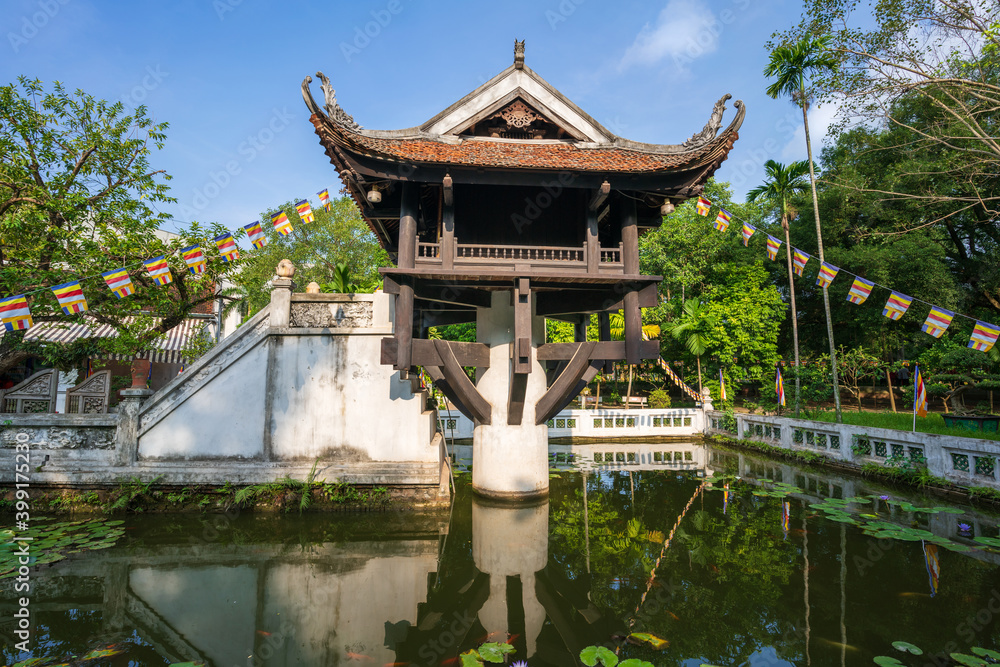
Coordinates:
[518,54]
[285,269]
[312,288]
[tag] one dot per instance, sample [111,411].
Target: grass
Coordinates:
[902,421]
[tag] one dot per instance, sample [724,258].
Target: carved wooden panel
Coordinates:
[90,396]
[36,394]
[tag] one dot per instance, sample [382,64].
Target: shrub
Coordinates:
[659,398]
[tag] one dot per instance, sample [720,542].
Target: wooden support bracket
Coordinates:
[566,386]
[460,383]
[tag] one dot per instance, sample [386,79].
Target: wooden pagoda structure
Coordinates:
[510,206]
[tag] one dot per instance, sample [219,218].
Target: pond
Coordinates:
[770,564]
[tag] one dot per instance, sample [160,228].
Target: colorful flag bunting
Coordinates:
[281,224]
[14,313]
[786,516]
[748,231]
[984,336]
[773,245]
[119,282]
[725,498]
[227,247]
[722,386]
[779,387]
[704,206]
[305,211]
[256,234]
[324,198]
[799,259]
[860,290]
[937,321]
[896,306]
[70,297]
[722,220]
[195,259]
[827,272]
[919,394]
[159,270]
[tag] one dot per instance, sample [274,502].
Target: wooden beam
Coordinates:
[425,353]
[515,402]
[589,300]
[613,350]
[403,328]
[460,383]
[433,317]
[593,243]
[454,294]
[561,391]
[522,327]
[441,383]
[448,187]
[599,197]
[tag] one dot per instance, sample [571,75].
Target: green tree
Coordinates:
[78,197]
[692,327]
[781,185]
[791,65]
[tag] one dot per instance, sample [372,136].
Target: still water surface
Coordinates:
[745,580]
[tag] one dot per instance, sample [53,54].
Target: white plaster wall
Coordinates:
[222,419]
[331,398]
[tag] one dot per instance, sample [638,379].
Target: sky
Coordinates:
[226,75]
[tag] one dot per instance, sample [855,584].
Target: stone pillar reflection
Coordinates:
[511,541]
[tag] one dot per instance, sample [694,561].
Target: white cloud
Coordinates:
[684,31]
[820,120]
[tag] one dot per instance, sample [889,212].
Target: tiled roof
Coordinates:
[508,154]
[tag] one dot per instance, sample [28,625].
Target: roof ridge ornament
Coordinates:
[518,54]
[333,110]
[711,128]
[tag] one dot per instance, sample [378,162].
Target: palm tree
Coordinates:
[790,65]
[782,184]
[692,327]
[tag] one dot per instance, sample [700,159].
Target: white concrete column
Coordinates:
[511,541]
[509,461]
[127,433]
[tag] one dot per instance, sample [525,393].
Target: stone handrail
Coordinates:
[964,461]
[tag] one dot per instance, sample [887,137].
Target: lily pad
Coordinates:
[887,661]
[968,660]
[986,652]
[907,647]
[991,541]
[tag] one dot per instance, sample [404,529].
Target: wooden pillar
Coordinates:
[604,333]
[580,330]
[406,259]
[630,263]
[522,326]
[593,244]
[448,226]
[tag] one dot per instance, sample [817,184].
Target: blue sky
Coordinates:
[225,74]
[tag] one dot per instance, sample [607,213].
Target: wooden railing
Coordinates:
[475,251]
[574,257]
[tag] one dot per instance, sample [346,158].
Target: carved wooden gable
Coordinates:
[518,120]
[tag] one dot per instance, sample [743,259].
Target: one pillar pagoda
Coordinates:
[511,206]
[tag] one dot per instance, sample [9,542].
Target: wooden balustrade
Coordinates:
[570,257]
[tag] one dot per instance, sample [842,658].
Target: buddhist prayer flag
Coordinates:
[827,272]
[773,245]
[748,231]
[256,234]
[227,247]
[70,297]
[984,336]
[704,206]
[195,259]
[933,562]
[919,394]
[860,290]
[324,198]
[896,306]
[725,498]
[159,270]
[305,211]
[786,516]
[119,282]
[281,224]
[937,321]
[14,313]
[799,259]
[722,221]
[779,387]
[722,386]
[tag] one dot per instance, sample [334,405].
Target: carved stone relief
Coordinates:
[357,314]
